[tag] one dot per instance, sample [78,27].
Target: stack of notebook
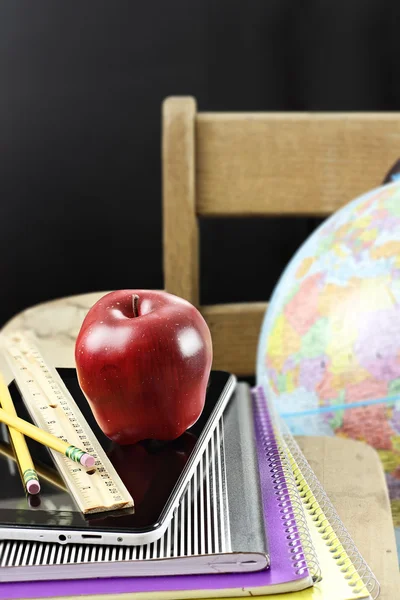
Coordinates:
[311,555]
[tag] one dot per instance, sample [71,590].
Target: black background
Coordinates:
[81,86]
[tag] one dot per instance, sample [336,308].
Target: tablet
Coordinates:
[155,474]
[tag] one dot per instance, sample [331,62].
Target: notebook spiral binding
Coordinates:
[328,522]
[302,551]
[308,548]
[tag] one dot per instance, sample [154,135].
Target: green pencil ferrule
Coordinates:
[74,453]
[29,475]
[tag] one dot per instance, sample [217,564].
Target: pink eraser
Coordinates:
[87,460]
[33,487]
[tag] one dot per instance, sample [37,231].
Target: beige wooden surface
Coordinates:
[180,227]
[235,326]
[235,164]
[353,478]
[290,163]
[350,471]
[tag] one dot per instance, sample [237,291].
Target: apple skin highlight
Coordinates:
[143,360]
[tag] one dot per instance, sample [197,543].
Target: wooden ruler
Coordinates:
[53,409]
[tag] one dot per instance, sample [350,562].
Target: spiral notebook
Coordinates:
[290,550]
[313,536]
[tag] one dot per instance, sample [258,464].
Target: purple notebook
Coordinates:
[288,571]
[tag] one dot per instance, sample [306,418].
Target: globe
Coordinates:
[329,349]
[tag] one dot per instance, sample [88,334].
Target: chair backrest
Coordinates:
[248,164]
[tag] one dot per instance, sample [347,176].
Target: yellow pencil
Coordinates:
[47,439]
[24,460]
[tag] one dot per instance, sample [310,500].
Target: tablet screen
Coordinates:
[150,471]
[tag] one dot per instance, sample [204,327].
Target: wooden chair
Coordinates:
[237,165]
[267,164]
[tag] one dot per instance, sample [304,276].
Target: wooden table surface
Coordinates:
[350,471]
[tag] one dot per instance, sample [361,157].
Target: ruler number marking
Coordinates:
[48,390]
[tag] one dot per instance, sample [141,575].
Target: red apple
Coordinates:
[143,360]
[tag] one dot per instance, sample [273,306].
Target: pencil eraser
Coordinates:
[87,460]
[33,487]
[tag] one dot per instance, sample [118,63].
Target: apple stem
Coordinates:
[135,301]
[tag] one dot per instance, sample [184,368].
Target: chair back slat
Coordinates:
[290,163]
